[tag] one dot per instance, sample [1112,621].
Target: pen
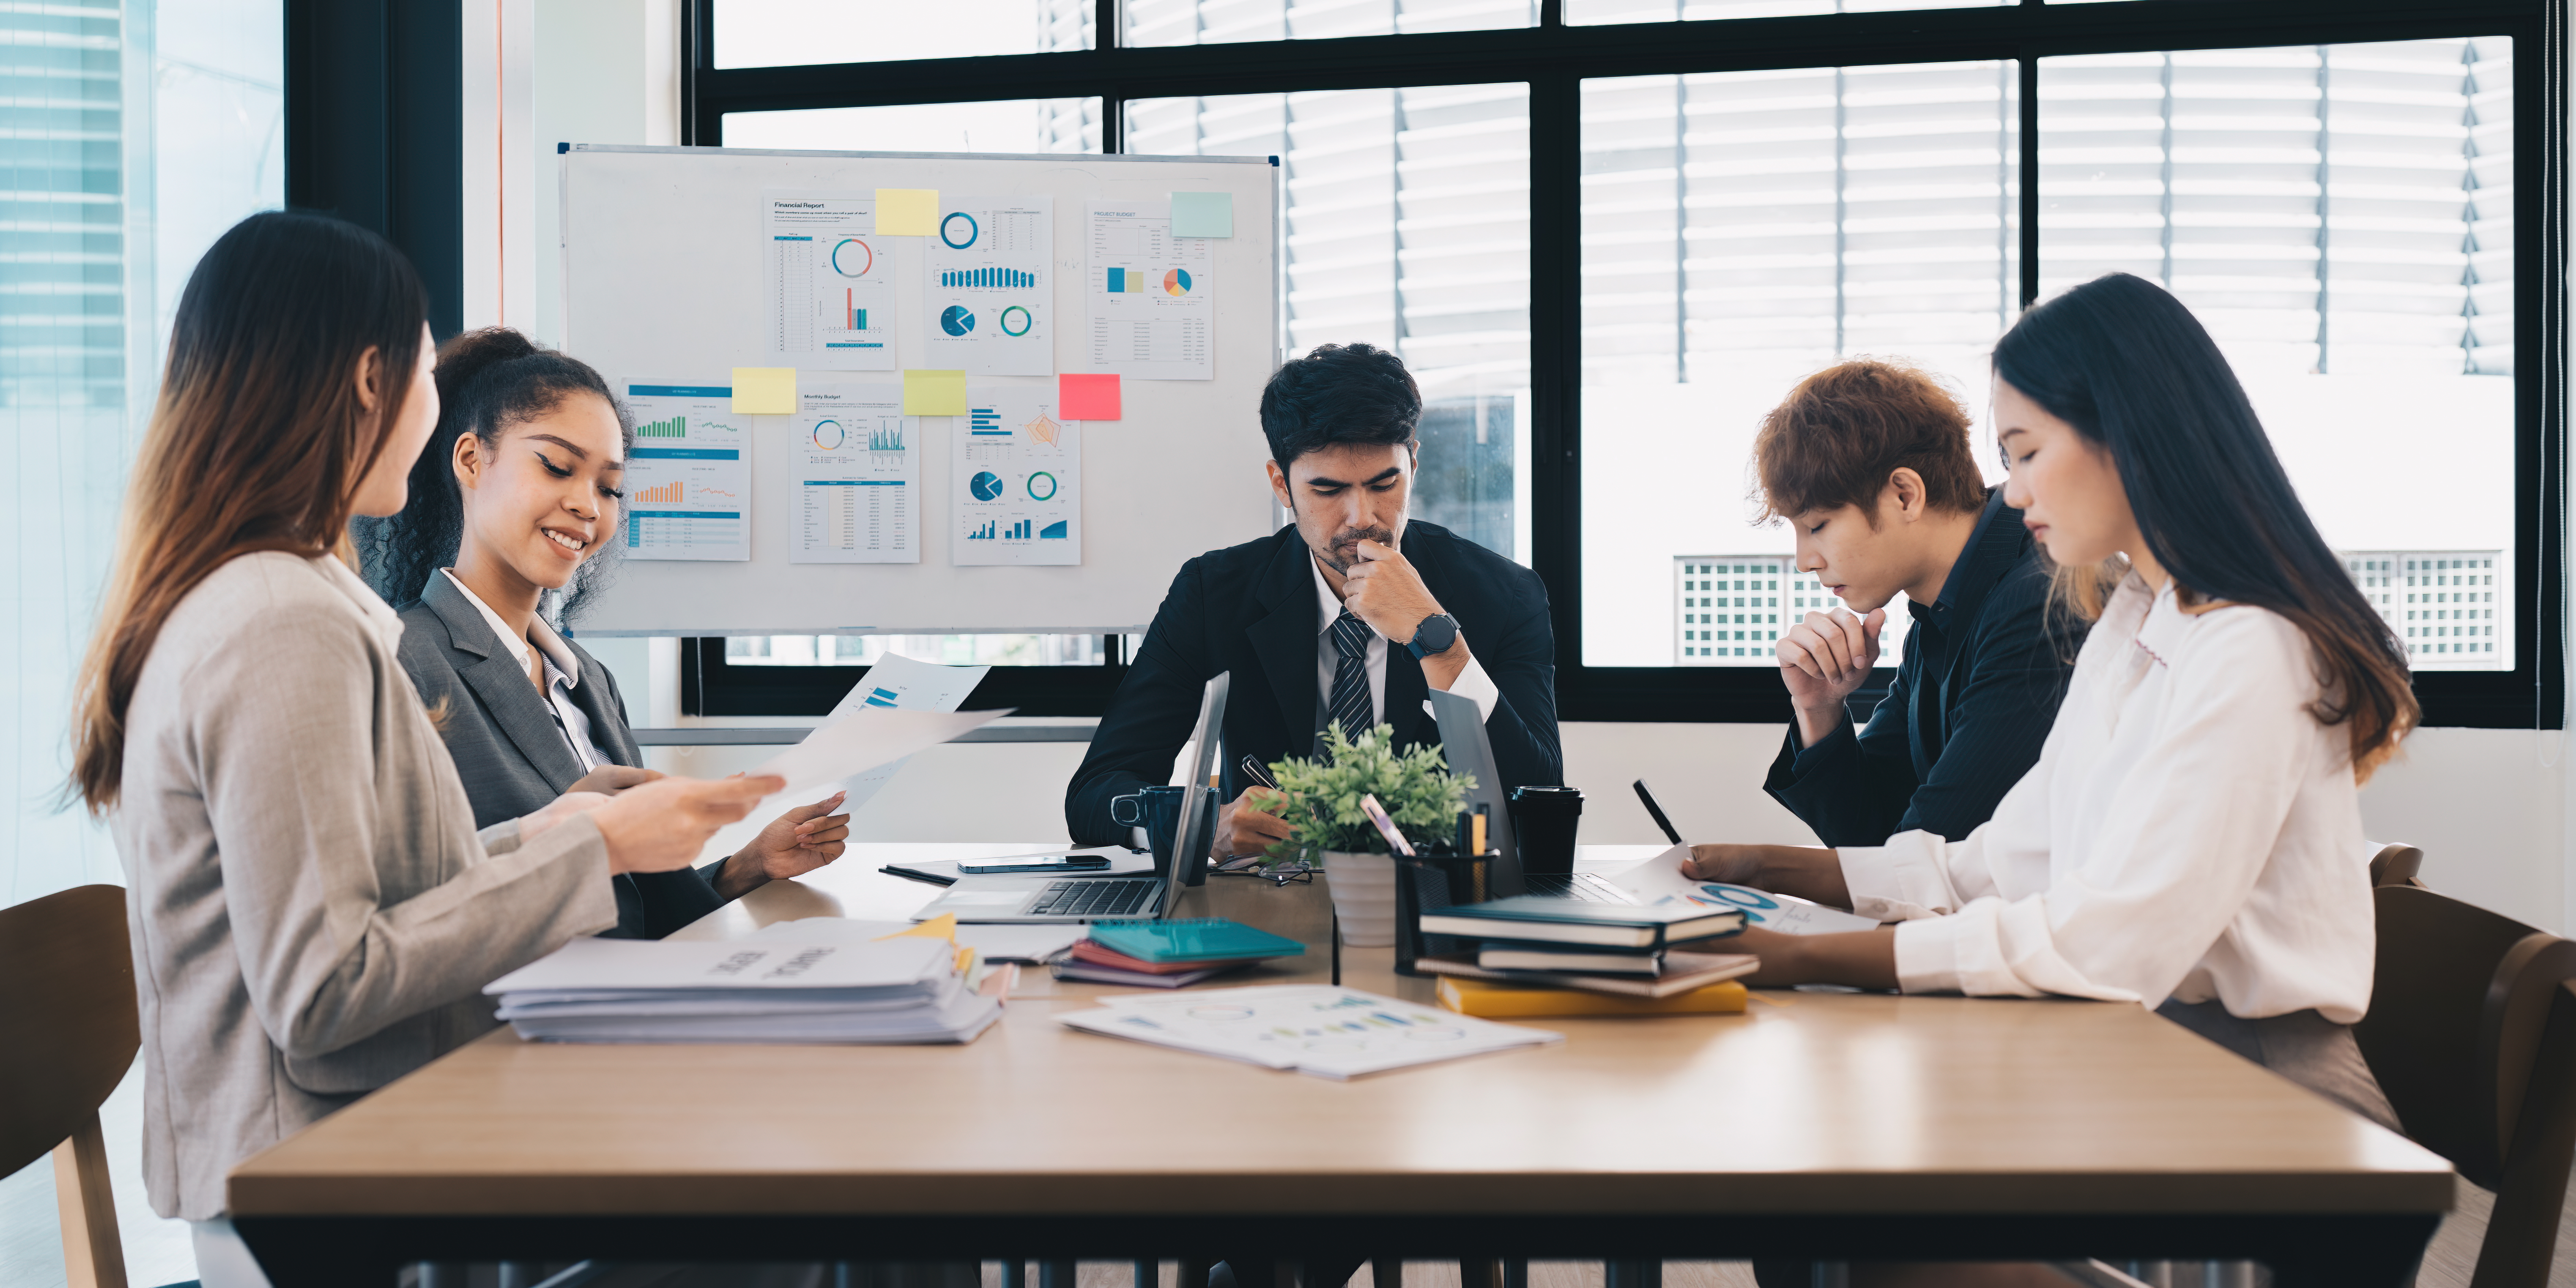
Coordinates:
[1260,777]
[1657,812]
[1385,826]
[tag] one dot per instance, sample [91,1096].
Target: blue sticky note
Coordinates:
[1202,214]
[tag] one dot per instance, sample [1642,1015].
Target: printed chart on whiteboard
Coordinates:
[1017,471]
[831,291]
[1151,298]
[688,481]
[987,287]
[857,461]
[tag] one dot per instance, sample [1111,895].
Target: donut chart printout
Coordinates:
[1149,300]
[987,291]
[688,477]
[830,282]
[1016,471]
[857,475]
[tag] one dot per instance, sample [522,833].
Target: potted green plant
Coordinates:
[1414,787]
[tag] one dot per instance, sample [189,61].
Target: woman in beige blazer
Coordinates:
[313,911]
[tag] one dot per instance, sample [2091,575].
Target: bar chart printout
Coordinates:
[688,479]
[857,463]
[1149,301]
[830,283]
[1016,470]
[987,296]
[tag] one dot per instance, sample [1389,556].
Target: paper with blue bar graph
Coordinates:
[688,478]
[988,287]
[856,461]
[899,683]
[1320,1029]
[1149,298]
[831,282]
[1015,477]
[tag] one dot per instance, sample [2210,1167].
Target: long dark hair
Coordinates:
[488,381]
[2134,372]
[258,441]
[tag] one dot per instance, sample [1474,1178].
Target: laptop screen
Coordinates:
[1197,829]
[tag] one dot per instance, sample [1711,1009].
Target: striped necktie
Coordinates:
[1350,706]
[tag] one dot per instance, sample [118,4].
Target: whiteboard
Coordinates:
[663,283]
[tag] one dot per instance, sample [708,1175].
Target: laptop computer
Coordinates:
[1470,752]
[1048,900]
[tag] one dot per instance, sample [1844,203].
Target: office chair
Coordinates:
[68,1033]
[2472,1033]
[2396,865]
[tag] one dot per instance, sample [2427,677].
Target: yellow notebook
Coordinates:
[1499,1001]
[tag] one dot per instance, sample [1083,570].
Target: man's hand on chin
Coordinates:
[1383,589]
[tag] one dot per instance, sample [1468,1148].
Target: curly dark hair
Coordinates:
[1339,394]
[488,381]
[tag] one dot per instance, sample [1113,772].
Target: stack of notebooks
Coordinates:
[906,989]
[1169,954]
[1540,955]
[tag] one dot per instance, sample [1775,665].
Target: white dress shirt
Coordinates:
[1471,683]
[2190,831]
[563,672]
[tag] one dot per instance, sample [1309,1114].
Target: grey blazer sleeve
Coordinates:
[303,783]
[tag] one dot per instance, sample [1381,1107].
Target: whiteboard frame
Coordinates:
[1273,311]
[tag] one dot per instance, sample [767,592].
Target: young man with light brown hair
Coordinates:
[1870,462]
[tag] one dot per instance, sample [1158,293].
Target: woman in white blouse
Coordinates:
[2190,839]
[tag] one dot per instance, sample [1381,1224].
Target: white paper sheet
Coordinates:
[1660,880]
[1149,299]
[988,287]
[830,283]
[688,478]
[900,683]
[857,479]
[858,742]
[1016,471]
[1328,1031]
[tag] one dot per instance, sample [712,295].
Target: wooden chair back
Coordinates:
[68,1033]
[2472,1033]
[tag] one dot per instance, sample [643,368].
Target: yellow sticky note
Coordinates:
[907,212]
[934,393]
[943,926]
[764,391]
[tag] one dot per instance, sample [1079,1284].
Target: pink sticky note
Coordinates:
[1087,397]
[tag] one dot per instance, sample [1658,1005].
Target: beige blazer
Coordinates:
[313,912]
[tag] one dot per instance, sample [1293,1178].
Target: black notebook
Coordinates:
[1544,919]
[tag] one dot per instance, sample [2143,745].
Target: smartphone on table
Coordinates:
[1032,867]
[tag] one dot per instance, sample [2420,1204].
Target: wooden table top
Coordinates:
[1812,1103]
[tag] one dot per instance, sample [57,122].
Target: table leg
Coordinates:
[1055,1274]
[1632,1274]
[1015,1274]
[1388,1272]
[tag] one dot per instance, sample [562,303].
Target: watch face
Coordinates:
[1436,634]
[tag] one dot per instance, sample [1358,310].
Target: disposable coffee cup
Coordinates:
[1543,822]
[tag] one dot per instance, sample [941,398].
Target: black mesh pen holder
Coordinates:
[1435,879]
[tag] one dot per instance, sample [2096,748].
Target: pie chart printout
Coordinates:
[1176,282]
[958,320]
[828,435]
[986,485]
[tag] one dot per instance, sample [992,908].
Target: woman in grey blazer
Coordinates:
[519,489]
[313,910]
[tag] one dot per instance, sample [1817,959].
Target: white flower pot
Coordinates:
[1363,889]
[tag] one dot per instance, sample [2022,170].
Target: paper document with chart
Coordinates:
[1662,880]
[857,476]
[688,479]
[830,284]
[1149,298]
[1015,471]
[988,287]
[1322,1029]
[898,683]
[858,742]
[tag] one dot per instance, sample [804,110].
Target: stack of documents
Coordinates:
[1321,1029]
[889,991]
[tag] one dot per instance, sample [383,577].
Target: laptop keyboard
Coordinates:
[1093,897]
[1583,887]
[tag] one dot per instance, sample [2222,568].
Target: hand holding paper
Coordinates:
[860,741]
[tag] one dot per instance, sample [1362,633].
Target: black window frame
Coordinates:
[1554,58]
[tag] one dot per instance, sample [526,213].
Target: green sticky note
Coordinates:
[907,212]
[934,393]
[764,391]
[1202,214]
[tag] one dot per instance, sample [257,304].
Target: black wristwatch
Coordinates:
[1438,633]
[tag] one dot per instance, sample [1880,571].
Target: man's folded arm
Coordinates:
[1850,788]
[1521,661]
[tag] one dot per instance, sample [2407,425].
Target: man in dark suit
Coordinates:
[1870,462]
[1352,614]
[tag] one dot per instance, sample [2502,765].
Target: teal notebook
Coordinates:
[1197,939]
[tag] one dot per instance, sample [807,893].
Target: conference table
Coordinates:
[1818,1124]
